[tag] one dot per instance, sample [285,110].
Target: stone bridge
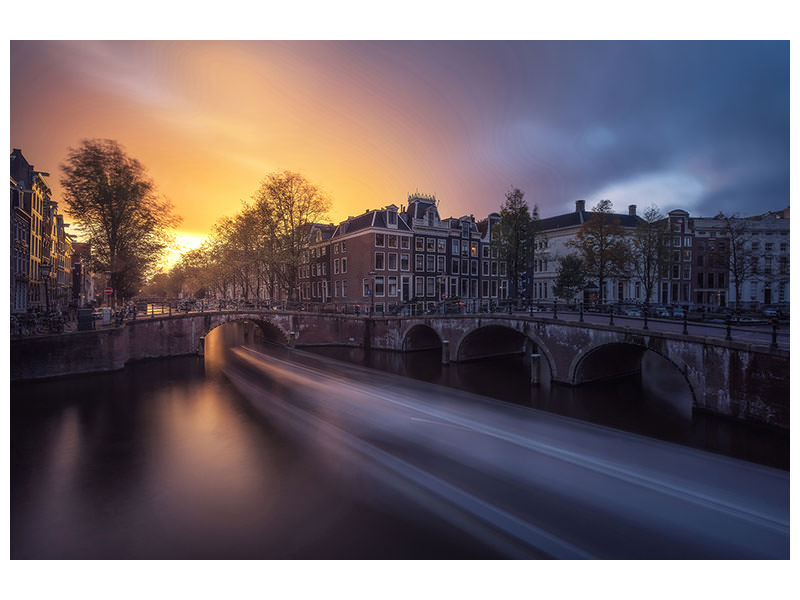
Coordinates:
[733,378]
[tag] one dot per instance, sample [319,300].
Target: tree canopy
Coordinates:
[114,204]
[516,237]
[570,279]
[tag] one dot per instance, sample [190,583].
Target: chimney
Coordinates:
[580,205]
[632,210]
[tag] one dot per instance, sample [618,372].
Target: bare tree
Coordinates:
[648,252]
[742,267]
[601,245]
[115,206]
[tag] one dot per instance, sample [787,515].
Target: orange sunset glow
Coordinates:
[209,120]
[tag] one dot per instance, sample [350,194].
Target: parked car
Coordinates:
[631,311]
[660,312]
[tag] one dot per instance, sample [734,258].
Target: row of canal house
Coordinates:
[698,268]
[386,258]
[41,248]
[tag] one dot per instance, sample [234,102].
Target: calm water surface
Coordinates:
[165,459]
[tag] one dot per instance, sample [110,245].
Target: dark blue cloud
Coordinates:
[567,120]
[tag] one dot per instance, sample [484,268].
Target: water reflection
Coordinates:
[161,461]
[658,404]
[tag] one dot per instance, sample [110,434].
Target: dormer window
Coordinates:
[430,218]
[392,217]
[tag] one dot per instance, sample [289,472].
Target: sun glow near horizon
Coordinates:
[184,242]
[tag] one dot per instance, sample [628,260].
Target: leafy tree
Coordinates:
[287,205]
[515,238]
[601,245]
[649,253]
[114,204]
[570,279]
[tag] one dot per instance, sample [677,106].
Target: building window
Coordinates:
[474,288]
[379,289]
[379,261]
[430,244]
[494,288]
[404,243]
[440,264]
[485,268]
[473,249]
[419,287]
[687,242]
[454,247]
[473,267]
[430,263]
[485,251]
[419,244]
[686,273]
[336,248]
[392,261]
[465,230]
[430,286]
[404,262]
[344,246]
[379,240]
[392,241]
[336,288]
[441,245]
[494,268]
[454,266]
[502,268]
[392,286]
[392,220]
[419,262]
[336,266]
[366,287]
[344,265]
[485,288]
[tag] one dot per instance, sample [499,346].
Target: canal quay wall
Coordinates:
[732,378]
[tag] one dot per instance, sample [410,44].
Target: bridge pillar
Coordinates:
[445,352]
[535,368]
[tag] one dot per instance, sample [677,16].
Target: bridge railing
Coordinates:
[674,320]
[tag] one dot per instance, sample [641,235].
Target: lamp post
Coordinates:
[371,294]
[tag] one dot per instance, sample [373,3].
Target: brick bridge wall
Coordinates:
[731,378]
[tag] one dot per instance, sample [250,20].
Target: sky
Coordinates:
[702,126]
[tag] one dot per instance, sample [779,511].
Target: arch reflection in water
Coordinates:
[656,403]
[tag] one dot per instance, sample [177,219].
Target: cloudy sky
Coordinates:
[702,126]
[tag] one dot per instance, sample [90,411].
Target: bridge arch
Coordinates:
[421,337]
[503,339]
[270,330]
[609,360]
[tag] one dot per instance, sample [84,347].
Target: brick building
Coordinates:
[389,257]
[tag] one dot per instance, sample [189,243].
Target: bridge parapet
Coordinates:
[737,378]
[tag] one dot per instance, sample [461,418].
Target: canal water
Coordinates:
[165,459]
